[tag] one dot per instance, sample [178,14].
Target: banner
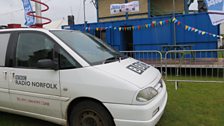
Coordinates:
[28,8]
[216,11]
[127,7]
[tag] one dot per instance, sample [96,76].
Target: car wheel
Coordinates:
[90,113]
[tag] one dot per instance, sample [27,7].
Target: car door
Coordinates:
[35,88]
[4,91]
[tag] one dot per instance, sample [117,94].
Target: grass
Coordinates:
[200,104]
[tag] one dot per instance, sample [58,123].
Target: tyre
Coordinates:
[90,113]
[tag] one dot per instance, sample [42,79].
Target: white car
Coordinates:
[72,78]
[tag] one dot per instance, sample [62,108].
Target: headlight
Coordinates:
[146,94]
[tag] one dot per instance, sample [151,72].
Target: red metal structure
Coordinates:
[39,25]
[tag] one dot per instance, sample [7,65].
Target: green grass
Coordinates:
[200,104]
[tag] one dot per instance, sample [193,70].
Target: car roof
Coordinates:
[32,29]
[22,29]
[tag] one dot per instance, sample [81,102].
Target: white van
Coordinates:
[75,79]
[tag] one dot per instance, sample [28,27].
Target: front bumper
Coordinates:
[139,115]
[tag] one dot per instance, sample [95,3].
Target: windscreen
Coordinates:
[90,48]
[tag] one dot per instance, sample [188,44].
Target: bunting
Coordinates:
[192,29]
[155,24]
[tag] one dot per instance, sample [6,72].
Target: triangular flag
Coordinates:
[161,23]
[178,23]
[189,29]
[199,32]
[203,33]
[186,27]
[196,30]
[174,19]
[146,26]
[120,29]
[139,27]
[97,29]
[167,21]
[133,28]
[152,25]
[115,28]
[155,23]
[214,35]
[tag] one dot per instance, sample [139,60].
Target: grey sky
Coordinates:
[11,11]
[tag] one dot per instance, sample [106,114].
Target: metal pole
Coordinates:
[126,14]
[97,10]
[84,11]
[186,6]
[38,12]
[174,25]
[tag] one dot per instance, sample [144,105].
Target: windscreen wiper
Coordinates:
[111,59]
[114,58]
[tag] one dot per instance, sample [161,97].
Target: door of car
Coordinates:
[34,80]
[4,91]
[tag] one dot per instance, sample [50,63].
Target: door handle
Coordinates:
[13,75]
[5,74]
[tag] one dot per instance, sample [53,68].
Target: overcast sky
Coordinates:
[11,11]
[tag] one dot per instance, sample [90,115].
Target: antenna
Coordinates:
[71,10]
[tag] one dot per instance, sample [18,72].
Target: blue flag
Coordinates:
[28,8]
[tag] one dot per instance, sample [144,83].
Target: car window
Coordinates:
[66,61]
[3,47]
[31,48]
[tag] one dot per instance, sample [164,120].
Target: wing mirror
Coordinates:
[47,64]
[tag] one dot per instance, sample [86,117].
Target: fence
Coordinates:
[185,65]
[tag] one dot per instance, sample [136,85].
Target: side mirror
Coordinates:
[47,64]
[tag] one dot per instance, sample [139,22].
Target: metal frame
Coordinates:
[194,66]
[198,66]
